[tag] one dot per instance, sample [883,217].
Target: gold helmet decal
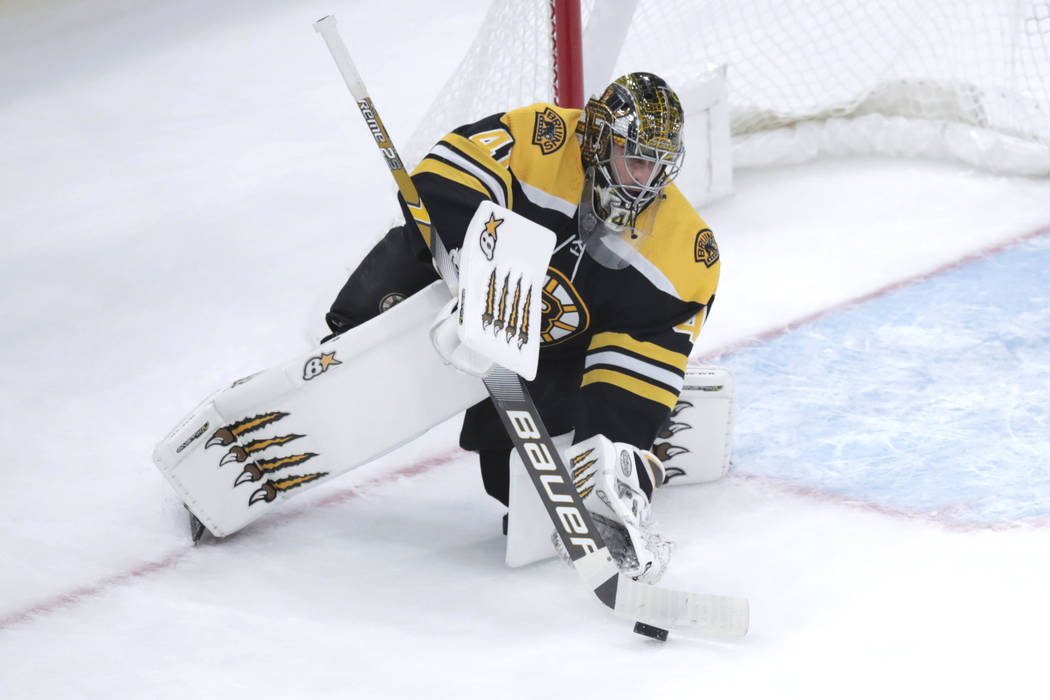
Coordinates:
[637,108]
[631,146]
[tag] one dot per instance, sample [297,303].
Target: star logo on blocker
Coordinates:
[328,359]
[487,241]
[492,224]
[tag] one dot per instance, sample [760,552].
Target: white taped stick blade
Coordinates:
[503,265]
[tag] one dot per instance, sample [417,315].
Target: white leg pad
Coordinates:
[529,527]
[695,446]
[270,436]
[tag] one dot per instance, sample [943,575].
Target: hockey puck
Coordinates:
[650,631]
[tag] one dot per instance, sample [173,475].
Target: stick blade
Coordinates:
[665,608]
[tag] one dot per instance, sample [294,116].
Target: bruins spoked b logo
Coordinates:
[564,313]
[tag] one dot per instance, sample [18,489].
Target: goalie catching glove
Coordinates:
[616,481]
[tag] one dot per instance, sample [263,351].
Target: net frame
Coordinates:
[967,79]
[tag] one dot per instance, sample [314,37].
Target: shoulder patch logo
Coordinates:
[706,248]
[549,131]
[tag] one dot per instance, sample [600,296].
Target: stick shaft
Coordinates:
[326,27]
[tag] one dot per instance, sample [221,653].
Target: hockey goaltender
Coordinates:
[625,286]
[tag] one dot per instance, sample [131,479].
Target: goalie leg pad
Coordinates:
[266,437]
[528,525]
[694,446]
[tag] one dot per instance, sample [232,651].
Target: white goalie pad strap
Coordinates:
[695,445]
[503,266]
[272,435]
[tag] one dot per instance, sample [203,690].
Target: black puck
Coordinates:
[650,631]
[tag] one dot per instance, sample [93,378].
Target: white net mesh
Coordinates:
[979,64]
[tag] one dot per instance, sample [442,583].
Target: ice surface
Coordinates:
[184,186]
[932,399]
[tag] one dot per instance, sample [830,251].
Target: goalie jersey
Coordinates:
[614,341]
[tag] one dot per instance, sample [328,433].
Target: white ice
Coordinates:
[183,188]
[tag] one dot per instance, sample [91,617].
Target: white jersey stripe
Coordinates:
[494,185]
[638,366]
[639,262]
[547,200]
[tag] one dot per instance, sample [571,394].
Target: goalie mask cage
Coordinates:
[968,79]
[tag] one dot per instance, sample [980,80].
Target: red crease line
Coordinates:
[79,595]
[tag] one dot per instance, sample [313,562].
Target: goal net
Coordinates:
[968,79]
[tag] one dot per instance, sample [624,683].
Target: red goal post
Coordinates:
[567,49]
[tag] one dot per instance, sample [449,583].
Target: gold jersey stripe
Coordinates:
[449,172]
[484,161]
[650,350]
[631,384]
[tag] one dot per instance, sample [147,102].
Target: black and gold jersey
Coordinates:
[614,342]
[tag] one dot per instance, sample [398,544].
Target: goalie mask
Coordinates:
[632,149]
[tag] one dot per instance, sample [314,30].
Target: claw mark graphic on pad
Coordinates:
[490,302]
[228,434]
[512,326]
[523,335]
[269,490]
[502,320]
[256,470]
[666,450]
[582,472]
[240,453]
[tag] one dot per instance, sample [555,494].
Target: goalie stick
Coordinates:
[651,606]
